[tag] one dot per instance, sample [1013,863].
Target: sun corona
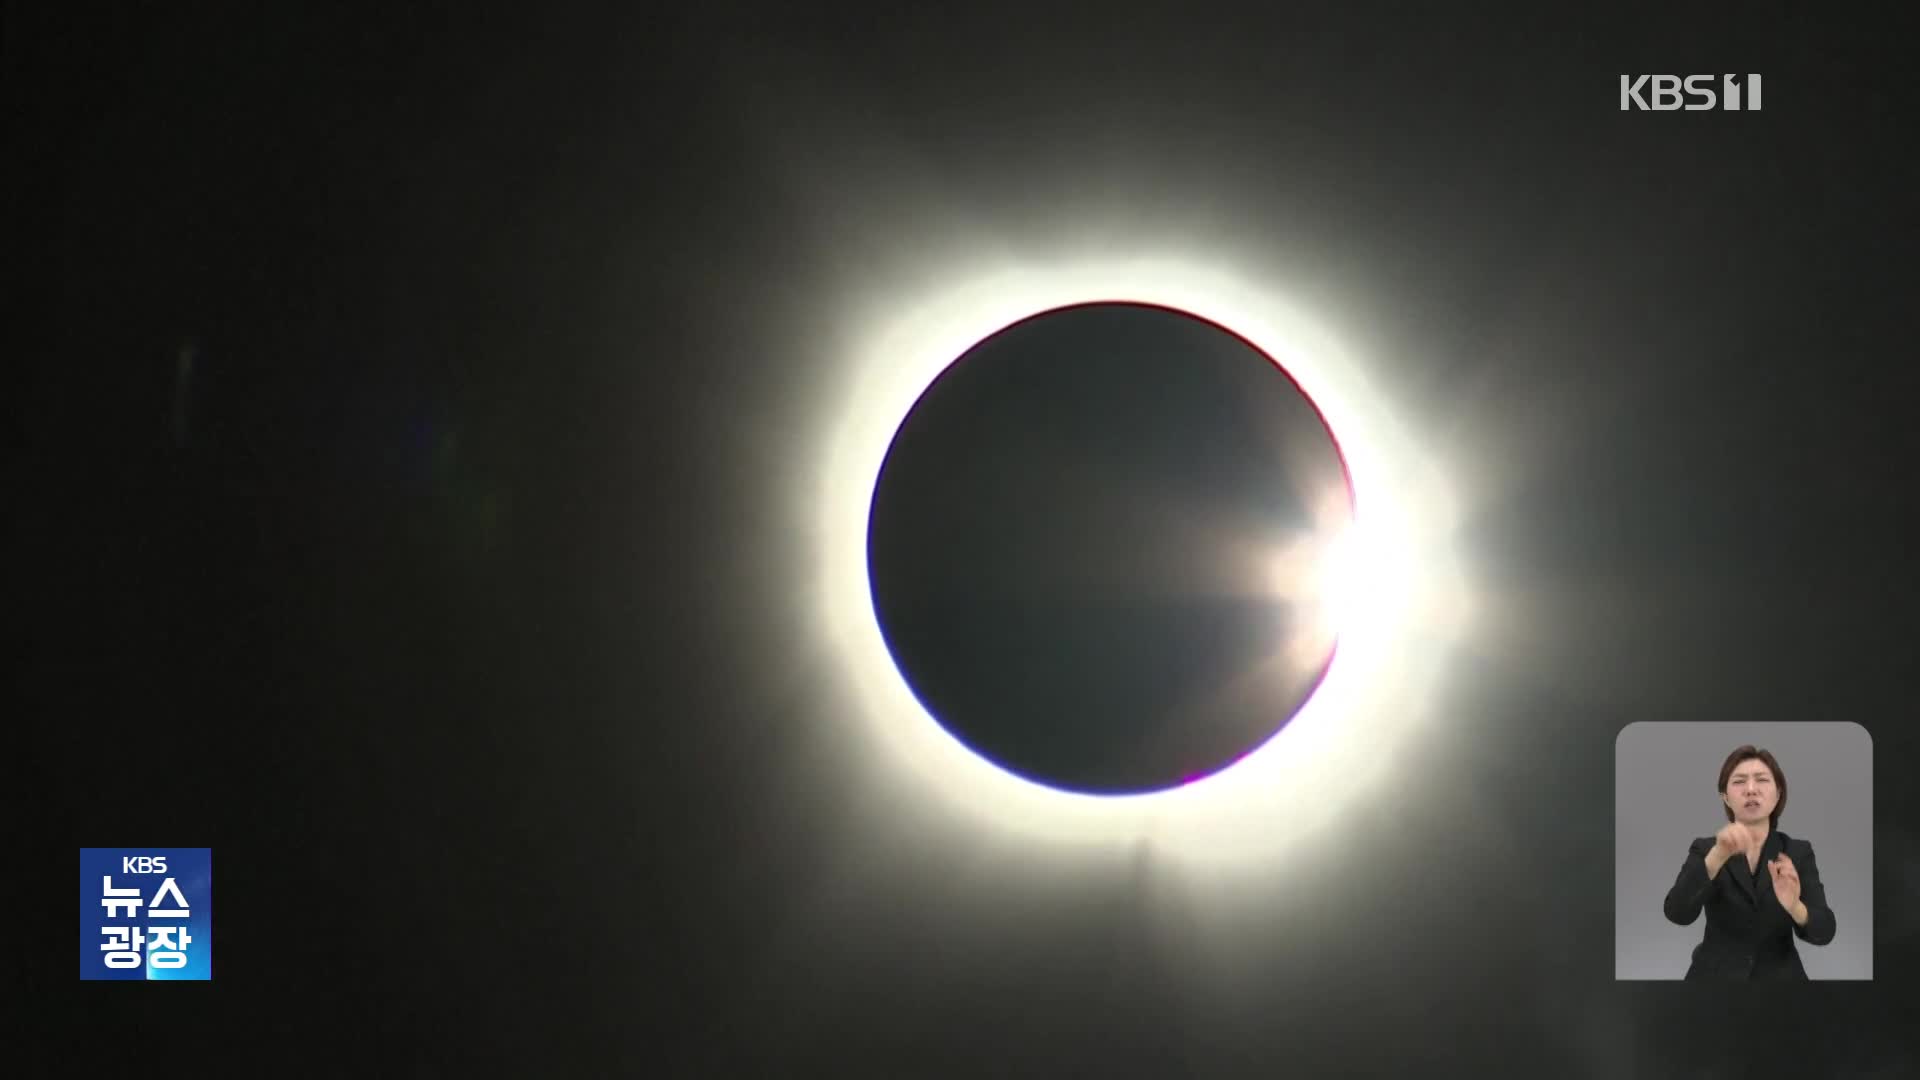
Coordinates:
[1399,598]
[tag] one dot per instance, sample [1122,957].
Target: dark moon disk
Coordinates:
[1076,539]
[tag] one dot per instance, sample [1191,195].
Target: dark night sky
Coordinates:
[408,429]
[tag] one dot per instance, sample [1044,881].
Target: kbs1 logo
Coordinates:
[1694,93]
[146,913]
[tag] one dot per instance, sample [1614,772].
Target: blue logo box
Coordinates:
[146,913]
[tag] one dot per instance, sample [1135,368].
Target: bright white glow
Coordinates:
[1320,578]
[1388,578]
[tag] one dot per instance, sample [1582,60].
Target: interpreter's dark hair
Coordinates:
[1765,757]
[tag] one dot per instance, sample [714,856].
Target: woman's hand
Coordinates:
[1727,843]
[1786,882]
[1732,840]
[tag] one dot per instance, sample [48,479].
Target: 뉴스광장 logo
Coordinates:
[146,913]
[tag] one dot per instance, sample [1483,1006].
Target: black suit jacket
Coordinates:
[1749,935]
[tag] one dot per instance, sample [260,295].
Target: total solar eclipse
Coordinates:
[1100,543]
